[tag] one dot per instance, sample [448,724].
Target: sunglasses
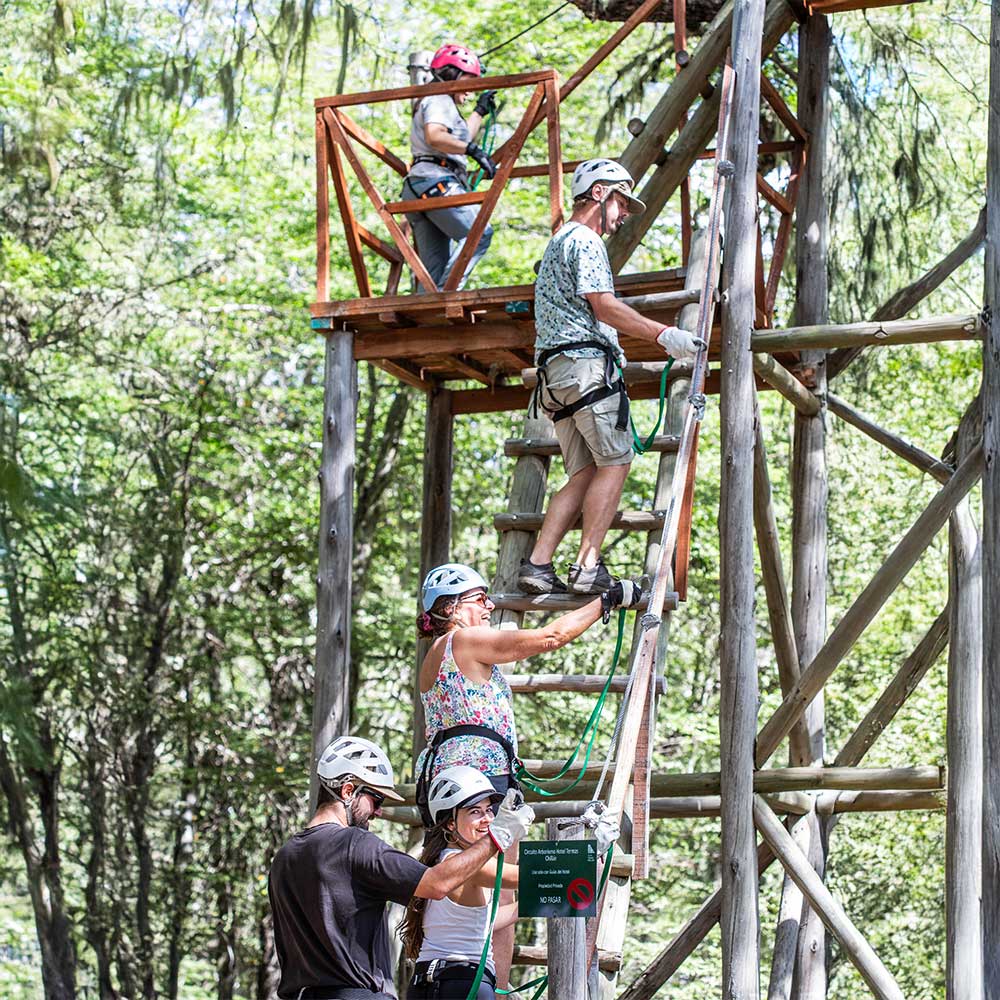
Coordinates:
[481,597]
[377,797]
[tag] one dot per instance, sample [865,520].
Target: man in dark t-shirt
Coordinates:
[330,882]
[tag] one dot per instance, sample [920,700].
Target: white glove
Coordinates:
[606,826]
[679,343]
[607,832]
[512,820]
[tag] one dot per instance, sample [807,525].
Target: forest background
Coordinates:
[160,405]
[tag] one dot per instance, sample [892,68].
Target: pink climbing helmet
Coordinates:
[462,58]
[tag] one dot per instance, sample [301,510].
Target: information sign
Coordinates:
[557,878]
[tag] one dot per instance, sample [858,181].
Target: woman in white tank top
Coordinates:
[445,937]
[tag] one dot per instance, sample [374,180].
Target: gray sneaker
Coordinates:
[594,580]
[541,579]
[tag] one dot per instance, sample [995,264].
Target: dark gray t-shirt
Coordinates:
[328,889]
[439,109]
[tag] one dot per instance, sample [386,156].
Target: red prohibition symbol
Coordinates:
[580,893]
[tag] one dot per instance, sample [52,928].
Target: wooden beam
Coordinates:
[555,156]
[352,234]
[406,373]
[887,334]
[908,298]
[373,145]
[385,250]
[322,213]
[779,607]
[782,111]
[774,197]
[780,378]
[443,201]
[499,182]
[737,650]
[892,699]
[860,614]
[780,248]
[909,452]
[625,520]
[853,943]
[467,85]
[809,475]
[331,702]
[990,394]
[964,831]
[338,134]
[578,683]
[837,803]
[514,447]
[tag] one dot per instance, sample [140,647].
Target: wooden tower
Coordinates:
[470,351]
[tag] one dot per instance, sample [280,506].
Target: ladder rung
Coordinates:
[536,954]
[628,520]
[516,447]
[562,602]
[575,683]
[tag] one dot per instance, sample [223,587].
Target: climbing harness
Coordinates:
[611,387]
[469,729]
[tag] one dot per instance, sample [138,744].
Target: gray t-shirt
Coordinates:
[439,109]
[575,263]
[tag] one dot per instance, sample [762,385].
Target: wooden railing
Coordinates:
[337,136]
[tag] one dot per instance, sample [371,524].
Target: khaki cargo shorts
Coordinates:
[589,437]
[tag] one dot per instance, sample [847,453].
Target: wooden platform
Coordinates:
[487,336]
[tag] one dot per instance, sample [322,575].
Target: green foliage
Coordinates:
[159,438]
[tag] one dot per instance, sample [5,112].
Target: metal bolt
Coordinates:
[726,168]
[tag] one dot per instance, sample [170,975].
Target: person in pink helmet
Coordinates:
[441,142]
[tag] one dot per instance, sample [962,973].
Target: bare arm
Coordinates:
[438,136]
[454,871]
[494,645]
[486,877]
[506,915]
[623,317]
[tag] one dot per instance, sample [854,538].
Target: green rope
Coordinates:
[489,140]
[489,930]
[541,982]
[641,446]
[589,735]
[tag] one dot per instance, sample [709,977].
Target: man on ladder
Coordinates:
[577,320]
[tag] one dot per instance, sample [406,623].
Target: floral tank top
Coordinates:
[454,700]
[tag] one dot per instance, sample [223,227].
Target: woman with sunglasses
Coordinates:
[466,698]
[445,937]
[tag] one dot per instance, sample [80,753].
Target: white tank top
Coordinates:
[455,932]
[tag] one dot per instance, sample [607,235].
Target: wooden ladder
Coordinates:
[517,527]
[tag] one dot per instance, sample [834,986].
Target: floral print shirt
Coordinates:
[454,700]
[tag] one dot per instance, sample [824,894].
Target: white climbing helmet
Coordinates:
[449,580]
[354,757]
[459,787]
[610,172]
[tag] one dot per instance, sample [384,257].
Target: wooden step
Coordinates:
[537,954]
[626,520]
[572,683]
[516,447]
[515,601]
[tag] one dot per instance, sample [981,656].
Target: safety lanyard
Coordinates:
[534,782]
[489,139]
[641,446]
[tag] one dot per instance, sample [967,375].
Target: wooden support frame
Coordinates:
[336,132]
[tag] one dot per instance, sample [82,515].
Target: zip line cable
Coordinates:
[531,27]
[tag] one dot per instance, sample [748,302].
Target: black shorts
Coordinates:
[501,782]
[452,983]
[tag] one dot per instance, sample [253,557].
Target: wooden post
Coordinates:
[991,535]
[567,936]
[738,711]
[336,546]
[964,841]
[809,470]
[857,949]
[435,519]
